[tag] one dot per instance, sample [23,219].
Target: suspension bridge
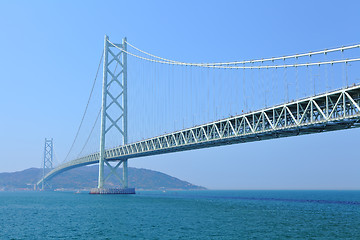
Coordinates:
[179,106]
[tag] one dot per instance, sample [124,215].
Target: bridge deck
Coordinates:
[326,112]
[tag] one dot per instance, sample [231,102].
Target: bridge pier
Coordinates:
[112,191]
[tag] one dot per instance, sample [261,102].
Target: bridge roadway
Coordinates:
[331,111]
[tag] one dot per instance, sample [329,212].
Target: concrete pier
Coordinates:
[112,191]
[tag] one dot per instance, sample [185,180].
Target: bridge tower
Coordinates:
[114,107]
[48,158]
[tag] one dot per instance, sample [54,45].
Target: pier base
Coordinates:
[112,191]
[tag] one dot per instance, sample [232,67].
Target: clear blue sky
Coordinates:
[49,51]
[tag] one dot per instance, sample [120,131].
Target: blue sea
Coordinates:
[181,215]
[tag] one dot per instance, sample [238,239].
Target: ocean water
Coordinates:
[181,215]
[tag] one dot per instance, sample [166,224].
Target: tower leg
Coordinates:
[103,115]
[125,174]
[101,174]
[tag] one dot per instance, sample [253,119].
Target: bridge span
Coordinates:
[330,111]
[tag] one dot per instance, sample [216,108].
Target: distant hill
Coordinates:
[86,178]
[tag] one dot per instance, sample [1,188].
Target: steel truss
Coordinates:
[326,112]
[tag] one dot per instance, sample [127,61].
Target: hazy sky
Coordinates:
[49,51]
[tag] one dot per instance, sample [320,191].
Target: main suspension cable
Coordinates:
[168,60]
[87,105]
[238,62]
[220,65]
[88,138]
